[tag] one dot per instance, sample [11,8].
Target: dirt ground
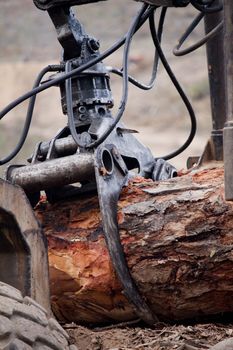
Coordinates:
[28,43]
[161,337]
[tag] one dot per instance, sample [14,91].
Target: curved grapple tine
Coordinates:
[111,176]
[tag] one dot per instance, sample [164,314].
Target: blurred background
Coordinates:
[28,43]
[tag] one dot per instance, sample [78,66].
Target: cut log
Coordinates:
[178,240]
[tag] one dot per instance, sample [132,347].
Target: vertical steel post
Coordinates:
[215,61]
[228,129]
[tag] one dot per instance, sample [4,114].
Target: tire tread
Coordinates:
[24,324]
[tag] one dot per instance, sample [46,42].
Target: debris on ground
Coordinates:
[161,337]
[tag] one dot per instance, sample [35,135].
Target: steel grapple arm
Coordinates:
[48,4]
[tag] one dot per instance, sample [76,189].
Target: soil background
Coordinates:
[28,43]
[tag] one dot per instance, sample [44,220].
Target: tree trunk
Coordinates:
[178,240]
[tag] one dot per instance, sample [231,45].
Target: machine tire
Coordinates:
[24,324]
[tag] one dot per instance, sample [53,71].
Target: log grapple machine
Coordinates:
[95,151]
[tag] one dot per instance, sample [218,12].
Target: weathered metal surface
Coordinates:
[111,176]
[62,147]
[23,247]
[228,129]
[216,64]
[213,151]
[53,173]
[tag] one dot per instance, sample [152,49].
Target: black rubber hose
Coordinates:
[29,115]
[180,91]
[124,98]
[134,81]
[210,35]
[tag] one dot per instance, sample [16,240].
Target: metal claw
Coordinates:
[163,170]
[111,176]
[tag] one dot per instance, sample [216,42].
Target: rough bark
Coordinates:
[178,240]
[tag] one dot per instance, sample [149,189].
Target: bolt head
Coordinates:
[93,45]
